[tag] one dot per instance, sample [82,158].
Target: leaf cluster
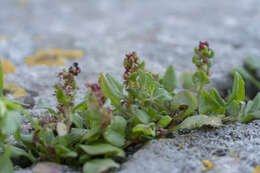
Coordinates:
[115,115]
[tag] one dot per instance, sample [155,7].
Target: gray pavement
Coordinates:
[162,32]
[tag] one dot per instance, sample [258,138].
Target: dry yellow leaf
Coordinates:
[23,3]
[69,54]
[52,57]
[8,67]
[43,58]
[2,38]
[208,165]
[14,90]
[257,169]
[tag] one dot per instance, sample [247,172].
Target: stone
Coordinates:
[240,142]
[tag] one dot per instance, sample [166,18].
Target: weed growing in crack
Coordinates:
[114,115]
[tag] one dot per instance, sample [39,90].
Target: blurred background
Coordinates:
[161,32]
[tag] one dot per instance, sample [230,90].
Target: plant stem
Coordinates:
[130,100]
[200,90]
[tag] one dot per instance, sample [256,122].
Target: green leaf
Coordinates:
[153,114]
[247,76]
[252,63]
[77,120]
[147,83]
[111,89]
[65,152]
[161,95]
[142,116]
[17,152]
[76,134]
[27,139]
[114,138]
[92,135]
[99,166]
[80,107]
[252,110]
[61,98]
[186,79]
[201,77]
[102,149]
[16,106]
[117,85]
[164,121]
[170,80]
[115,132]
[233,108]
[3,109]
[49,137]
[145,129]
[12,122]
[198,121]
[215,94]
[185,98]
[208,104]
[84,158]
[238,90]
[6,165]
[118,124]
[256,104]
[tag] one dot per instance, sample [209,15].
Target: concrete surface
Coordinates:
[162,32]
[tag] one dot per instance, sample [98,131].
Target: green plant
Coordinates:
[10,120]
[115,116]
[250,71]
[203,61]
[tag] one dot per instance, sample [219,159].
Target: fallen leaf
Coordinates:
[44,58]
[3,38]
[23,3]
[52,57]
[47,167]
[69,54]
[8,67]
[208,165]
[14,90]
[257,169]
[180,145]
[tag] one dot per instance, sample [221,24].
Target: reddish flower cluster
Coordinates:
[106,113]
[96,90]
[131,65]
[68,85]
[74,70]
[203,44]
[107,116]
[202,57]
[36,136]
